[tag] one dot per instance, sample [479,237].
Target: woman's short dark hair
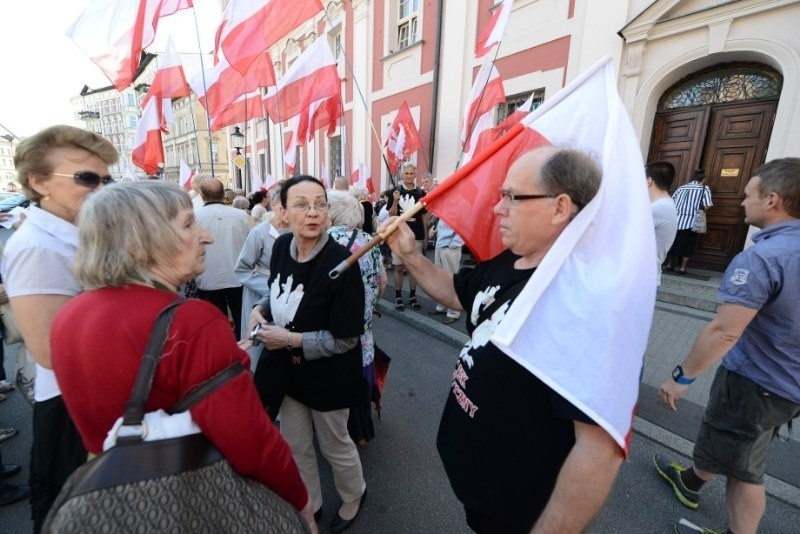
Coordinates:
[293,181]
[257,197]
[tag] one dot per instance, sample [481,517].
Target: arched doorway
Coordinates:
[718,119]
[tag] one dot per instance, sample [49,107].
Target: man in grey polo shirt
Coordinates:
[755,332]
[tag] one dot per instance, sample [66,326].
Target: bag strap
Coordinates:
[201,391]
[135,407]
[352,238]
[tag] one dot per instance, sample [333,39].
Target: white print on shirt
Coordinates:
[482,334]
[482,299]
[405,202]
[284,300]
[739,277]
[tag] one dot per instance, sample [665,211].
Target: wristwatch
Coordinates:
[678,376]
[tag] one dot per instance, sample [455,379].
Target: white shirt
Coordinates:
[38,261]
[665,220]
[229,227]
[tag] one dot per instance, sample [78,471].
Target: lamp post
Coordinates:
[237,141]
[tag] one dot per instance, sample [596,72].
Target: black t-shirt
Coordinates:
[409,197]
[333,382]
[504,434]
[367,226]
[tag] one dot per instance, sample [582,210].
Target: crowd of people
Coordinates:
[259,267]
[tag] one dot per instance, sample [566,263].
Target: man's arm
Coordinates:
[713,343]
[584,482]
[437,283]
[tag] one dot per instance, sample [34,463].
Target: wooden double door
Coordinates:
[728,141]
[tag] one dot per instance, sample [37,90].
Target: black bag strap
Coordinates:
[135,407]
[352,238]
[199,392]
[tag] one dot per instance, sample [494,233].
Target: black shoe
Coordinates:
[413,304]
[318,515]
[398,305]
[9,470]
[340,525]
[11,494]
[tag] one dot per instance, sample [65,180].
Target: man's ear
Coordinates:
[565,209]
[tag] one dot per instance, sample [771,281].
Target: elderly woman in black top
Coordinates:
[311,325]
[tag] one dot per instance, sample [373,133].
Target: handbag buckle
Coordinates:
[131,432]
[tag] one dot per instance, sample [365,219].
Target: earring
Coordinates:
[46,197]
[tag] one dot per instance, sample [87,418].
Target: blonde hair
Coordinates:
[32,154]
[125,229]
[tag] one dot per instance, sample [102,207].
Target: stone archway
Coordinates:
[718,119]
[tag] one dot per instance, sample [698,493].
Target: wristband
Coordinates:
[678,376]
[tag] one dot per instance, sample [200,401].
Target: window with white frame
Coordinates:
[407,23]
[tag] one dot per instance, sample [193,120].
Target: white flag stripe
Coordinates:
[598,275]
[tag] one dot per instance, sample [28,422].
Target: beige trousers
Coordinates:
[298,423]
[448,259]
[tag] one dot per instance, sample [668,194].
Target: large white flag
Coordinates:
[582,321]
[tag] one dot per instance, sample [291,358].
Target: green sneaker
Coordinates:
[671,472]
[687,527]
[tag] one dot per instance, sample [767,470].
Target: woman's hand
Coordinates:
[255,318]
[308,515]
[277,337]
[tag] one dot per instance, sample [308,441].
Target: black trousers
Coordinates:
[229,298]
[56,452]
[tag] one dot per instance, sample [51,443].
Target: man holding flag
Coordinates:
[519,455]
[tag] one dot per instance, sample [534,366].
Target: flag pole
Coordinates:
[205,91]
[445,186]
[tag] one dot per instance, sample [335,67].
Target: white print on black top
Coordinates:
[406,202]
[483,299]
[284,300]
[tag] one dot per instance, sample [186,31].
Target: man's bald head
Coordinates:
[212,190]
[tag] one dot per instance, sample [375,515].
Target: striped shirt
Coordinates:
[688,199]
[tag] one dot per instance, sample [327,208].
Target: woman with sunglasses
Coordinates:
[57,168]
[311,325]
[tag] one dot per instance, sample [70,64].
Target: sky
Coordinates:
[42,69]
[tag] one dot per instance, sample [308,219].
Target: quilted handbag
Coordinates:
[700,226]
[178,485]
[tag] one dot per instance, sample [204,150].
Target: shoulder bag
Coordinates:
[179,484]
[700,225]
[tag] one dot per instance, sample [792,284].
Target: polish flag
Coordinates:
[597,274]
[170,80]
[311,78]
[270,182]
[114,33]
[185,176]
[148,148]
[363,177]
[256,183]
[246,107]
[224,84]
[250,27]
[486,93]
[493,32]
[403,139]
[290,148]
[323,176]
[321,114]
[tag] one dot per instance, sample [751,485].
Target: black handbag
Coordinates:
[179,484]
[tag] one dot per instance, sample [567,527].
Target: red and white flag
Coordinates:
[246,107]
[363,177]
[290,147]
[185,176]
[256,183]
[493,32]
[224,84]
[250,27]
[269,182]
[597,274]
[322,114]
[486,137]
[403,139]
[486,93]
[170,80]
[114,33]
[311,78]
[148,148]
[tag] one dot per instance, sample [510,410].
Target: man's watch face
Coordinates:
[677,372]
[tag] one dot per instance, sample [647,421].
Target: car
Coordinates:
[8,203]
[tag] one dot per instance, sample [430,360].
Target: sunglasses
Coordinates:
[88,179]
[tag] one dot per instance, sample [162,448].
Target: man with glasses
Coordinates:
[405,195]
[518,455]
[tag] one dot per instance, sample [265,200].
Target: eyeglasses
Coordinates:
[89,179]
[509,198]
[305,206]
